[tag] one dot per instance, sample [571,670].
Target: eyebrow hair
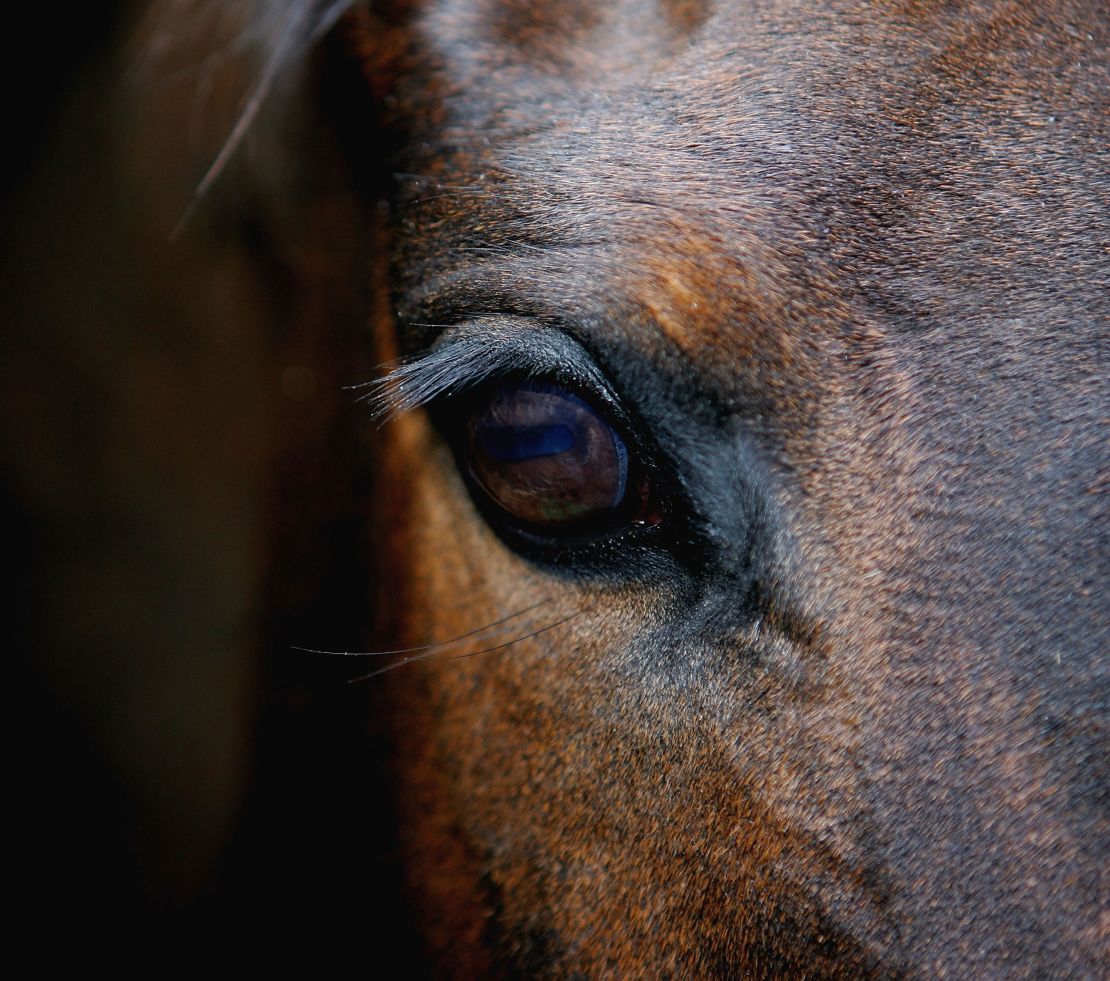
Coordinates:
[445,370]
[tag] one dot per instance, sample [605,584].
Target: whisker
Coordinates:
[456,657]
[510,643]
[427,648]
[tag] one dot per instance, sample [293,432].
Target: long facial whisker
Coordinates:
[478,632]
[412,659]
[510,643]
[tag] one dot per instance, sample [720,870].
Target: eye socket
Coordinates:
[553,463]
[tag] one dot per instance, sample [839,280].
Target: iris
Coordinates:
[546,456]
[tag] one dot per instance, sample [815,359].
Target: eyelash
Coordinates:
[475,354]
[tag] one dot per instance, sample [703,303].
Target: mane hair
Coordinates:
[273,38]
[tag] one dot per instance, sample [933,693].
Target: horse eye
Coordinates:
[548,458]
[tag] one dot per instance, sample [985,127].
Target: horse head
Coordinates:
[742,470]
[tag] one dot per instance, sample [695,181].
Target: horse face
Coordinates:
[801,673]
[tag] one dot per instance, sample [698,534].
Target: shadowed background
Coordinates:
[187,490]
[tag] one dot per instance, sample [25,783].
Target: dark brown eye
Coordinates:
[547,457]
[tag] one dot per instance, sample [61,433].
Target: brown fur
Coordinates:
[863,246]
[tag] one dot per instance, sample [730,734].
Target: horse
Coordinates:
[761,479]
[738,514]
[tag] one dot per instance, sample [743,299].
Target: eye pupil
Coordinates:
[547,457]
[511,444]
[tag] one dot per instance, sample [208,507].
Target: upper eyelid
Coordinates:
[432,375]
[467,355]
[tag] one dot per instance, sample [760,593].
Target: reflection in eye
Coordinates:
[545,456]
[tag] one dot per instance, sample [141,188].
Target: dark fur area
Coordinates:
[837,272]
